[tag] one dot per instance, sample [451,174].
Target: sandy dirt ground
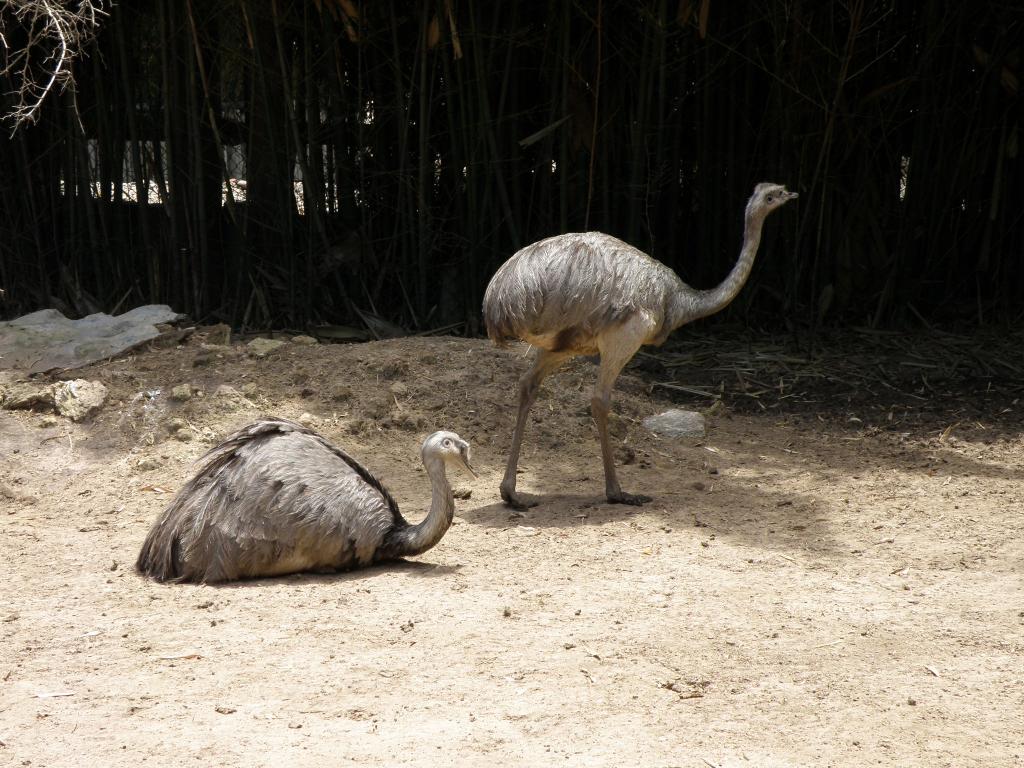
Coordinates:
[817,586]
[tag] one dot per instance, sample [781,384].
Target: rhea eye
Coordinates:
[770,198]
[447,443]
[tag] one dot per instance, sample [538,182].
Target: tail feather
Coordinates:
[160,557]
[500,310]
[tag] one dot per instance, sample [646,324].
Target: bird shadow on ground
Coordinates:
[571,510]
[793,522]
[419,568]
[552,509]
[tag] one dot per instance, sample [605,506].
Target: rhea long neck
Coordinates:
[690,304]
[420,537]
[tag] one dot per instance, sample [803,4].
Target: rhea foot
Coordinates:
[633,499]
[516,500]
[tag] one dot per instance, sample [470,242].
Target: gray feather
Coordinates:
[274,498]
[566,290]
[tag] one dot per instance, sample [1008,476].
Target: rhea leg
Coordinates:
[617,348]
[544,362]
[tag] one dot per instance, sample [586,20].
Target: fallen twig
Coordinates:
[827,645]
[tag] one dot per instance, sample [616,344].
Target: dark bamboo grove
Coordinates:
[387,156]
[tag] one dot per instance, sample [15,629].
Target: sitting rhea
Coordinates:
[277,498]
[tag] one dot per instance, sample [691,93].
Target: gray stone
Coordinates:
[181,393]
[677,423]
[147,464]
[24,396]
[78,398]
[305,340]
[261,347]
[46,340]
[48,420]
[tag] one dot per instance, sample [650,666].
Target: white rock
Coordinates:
[78,398]
[677,423]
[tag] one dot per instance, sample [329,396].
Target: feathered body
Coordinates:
[561,292]
[276,498]
[586,293]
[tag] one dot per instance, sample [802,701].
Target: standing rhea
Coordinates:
[277,498]
[590,293]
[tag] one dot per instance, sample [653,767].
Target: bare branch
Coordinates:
[40,40]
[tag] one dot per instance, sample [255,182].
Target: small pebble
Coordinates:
[181,393]
[261,347]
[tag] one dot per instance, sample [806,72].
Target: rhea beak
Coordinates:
[464,455]
[789,195]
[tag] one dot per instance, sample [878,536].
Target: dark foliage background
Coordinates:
[393,154]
